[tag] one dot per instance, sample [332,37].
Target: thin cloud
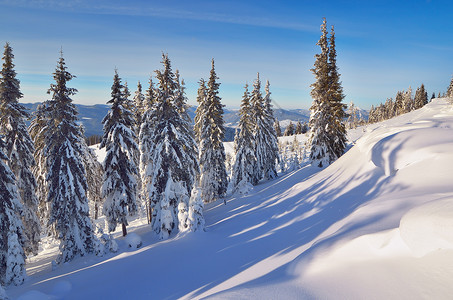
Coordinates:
[112,8]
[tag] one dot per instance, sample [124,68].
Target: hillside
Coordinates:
[376,224]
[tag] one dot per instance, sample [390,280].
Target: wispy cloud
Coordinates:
[145,8]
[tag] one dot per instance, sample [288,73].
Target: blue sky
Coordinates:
[382,46]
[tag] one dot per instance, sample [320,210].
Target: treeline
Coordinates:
[403,103]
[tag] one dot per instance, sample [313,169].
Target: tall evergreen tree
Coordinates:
[66,174]
[12,256]
[271,141]
[94,175]
[244,148]
[19,149]
[145,144]
[337,129]
[120,170]
[210,133]
[173,156]
[37,131]
[266,147]
[322,113]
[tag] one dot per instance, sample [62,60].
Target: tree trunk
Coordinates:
[124,229]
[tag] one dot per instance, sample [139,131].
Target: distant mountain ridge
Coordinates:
[91,117]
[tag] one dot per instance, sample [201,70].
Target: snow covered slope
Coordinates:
[376,224]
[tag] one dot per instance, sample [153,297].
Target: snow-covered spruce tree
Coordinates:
[139,111]
[399,104]
[201,110]
[450,89]
[172,153]
[271,141]
[145,144]
[244,164]
[327,139]
[298,129]
[19,149]
[337,129]
[12,256]
[210,130]
[94,175]
[290,129]
[421,97]
[37,130]
[266,146]
[66,177]
[321,112]
[120,171]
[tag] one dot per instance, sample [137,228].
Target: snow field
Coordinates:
[376,224]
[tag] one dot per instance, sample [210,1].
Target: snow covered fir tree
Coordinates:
[172,166]
[265,137]
[19,149]
[327,139]
[12,255]
[37,133]
[120,171]
[66,176]
[145,143]
[210,132]
[243,176]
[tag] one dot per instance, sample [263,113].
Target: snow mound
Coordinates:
[133,240]
[2,293]
[428,227]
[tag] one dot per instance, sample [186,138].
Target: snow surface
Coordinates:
[376,224]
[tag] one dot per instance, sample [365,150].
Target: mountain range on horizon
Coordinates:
[91,117]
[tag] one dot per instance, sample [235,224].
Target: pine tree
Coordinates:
[37,131]
[266,147]
[337,129]
[66,175]
[421,97]
[200,112]
[271,141]
[399,106]
[12,256]
[450,89]
[94,175]
[328,134]
[120,170]
[210,130]
[173,156]
[290,129]
[19,149]
[244,164]
[145,144]
[298,129]
[140,108]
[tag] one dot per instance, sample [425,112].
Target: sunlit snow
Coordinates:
[376,224]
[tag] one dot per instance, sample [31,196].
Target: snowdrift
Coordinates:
[376,224]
